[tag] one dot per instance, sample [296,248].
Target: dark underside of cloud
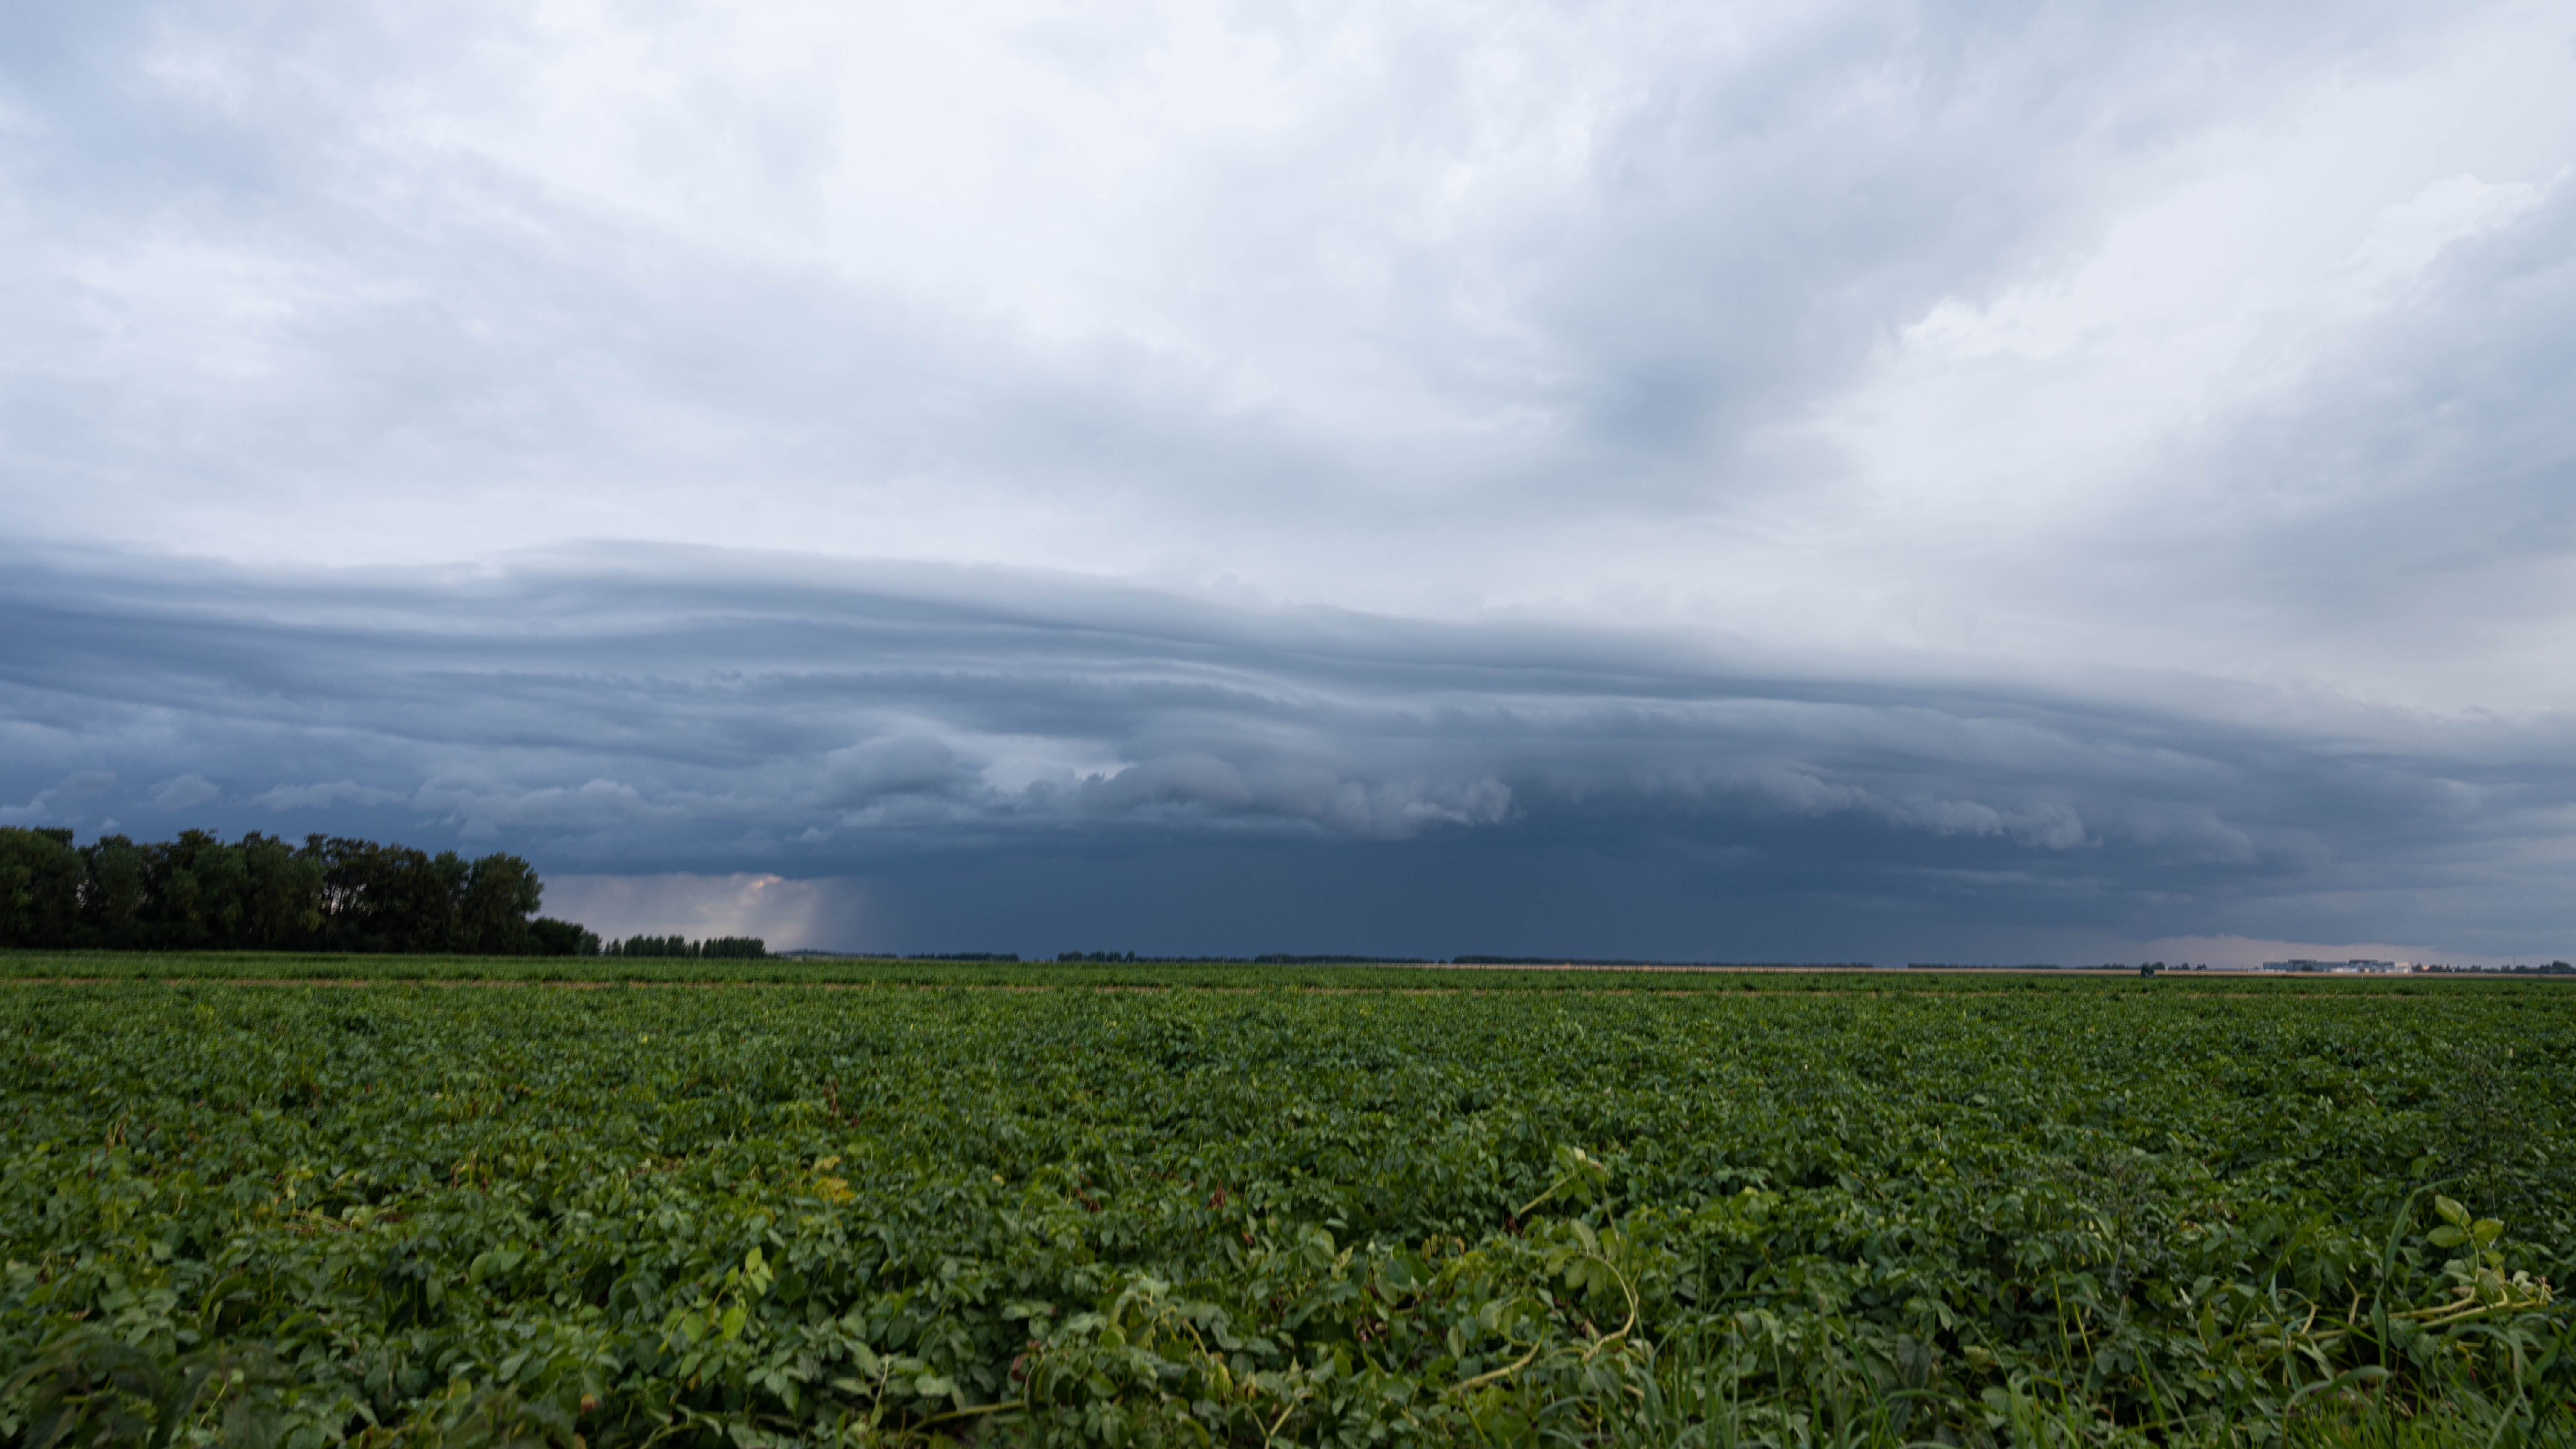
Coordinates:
[1005,761]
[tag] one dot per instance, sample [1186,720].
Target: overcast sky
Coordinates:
[1890,482]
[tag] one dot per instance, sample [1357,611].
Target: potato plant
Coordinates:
[2112,1212]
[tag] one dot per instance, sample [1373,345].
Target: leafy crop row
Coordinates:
[643,968]
[783,1215]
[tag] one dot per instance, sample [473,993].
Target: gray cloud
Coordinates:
[2416,495]
[260,260]
[893,765]
[324,796]
[67,796]
[705,712]
[184,792]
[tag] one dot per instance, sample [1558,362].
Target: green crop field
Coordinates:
[1039,1204]
[277,966]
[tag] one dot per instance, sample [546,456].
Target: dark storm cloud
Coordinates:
[659,710]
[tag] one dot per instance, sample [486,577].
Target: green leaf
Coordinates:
[2452,1213]
[250,1423]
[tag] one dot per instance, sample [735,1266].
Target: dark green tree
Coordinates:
[550,937]
[282,899]
[40,879]
[501,892]
[115,889]
[197,892]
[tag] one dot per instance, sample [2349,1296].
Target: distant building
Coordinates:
[2340,967]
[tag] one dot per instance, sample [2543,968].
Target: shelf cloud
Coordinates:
[658,711]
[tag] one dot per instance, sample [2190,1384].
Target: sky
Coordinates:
[1821,482]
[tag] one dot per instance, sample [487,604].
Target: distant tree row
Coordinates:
[739,948]
[198,893]
[1273,959]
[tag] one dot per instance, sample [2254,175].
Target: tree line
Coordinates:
[199,893]
[714,948]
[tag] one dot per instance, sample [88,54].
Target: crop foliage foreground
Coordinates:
[2108,1213]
